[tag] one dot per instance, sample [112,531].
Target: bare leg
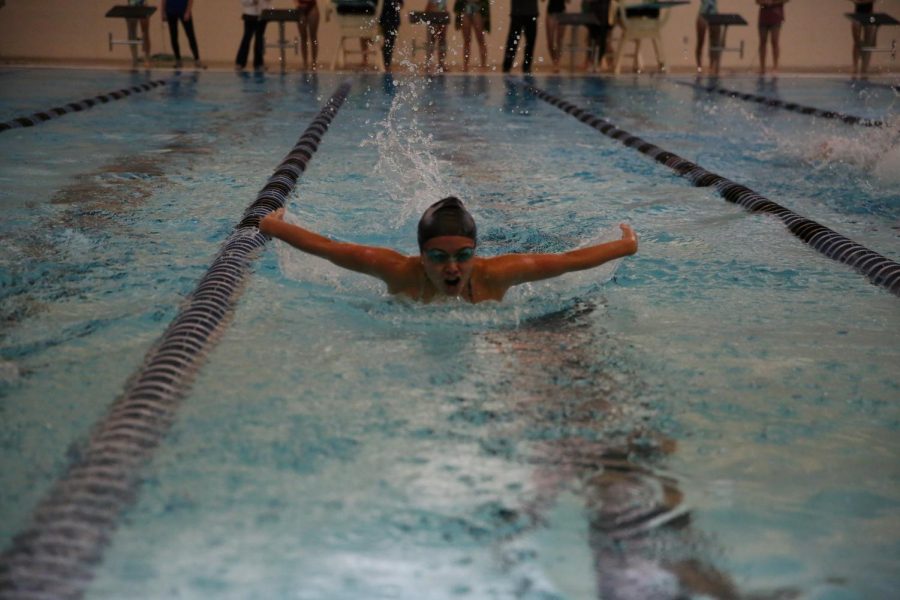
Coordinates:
[701,37]
[131,25]
[776,48]
[312,20]
[763,34]
[552,46]
[478,24]
[857,33]
[716,41]
[442,48]
[430,36]
[145,33]
[467,40]
[302,29]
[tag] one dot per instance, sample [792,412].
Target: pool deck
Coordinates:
[220,66]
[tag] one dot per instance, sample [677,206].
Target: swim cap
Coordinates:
[446,217]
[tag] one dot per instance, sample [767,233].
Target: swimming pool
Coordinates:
[720,407]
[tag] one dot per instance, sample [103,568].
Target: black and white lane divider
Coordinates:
[880,270]
[39,117]
[55,556]
[792,106]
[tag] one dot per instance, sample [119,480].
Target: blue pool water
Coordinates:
[342,444]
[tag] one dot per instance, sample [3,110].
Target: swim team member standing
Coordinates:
[771,16]
[523,16]
[173,11]
[447,265]
[254,27]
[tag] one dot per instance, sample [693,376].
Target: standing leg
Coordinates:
[192,39]
[131,26]
[762,50]
[259,44]
[467,39]
[716,42]
[442,47]
[244,48]
[478,25]
[701,38]
[530,38]
[312,21]
[776,48]
[856,32]
[602,35]
[592,36]
[512,43]
[549,27]
[430,35]
[303,30]
[389,31]
[145,34]
[173,38]
[560,33]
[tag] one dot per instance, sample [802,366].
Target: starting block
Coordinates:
[725,21]
[128,12]
[876,20]
[281,16]
[571,21]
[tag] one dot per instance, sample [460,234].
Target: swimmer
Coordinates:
[447,266]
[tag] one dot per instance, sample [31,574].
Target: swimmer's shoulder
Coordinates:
[407,278]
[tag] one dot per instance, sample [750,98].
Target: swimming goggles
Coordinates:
[440,257]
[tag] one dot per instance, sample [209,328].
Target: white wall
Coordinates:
[816,35]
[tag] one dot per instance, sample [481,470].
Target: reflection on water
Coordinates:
[590,434]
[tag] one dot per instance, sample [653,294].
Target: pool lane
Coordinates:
[880,270]
[56,555]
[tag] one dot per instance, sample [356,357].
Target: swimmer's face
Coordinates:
[448,262]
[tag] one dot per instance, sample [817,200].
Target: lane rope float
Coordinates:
[880,270]
[792,106]
[40,117]
[55,556]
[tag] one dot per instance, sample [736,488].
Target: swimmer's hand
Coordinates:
[267,223]
[629,237]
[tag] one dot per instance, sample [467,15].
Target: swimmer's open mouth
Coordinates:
[451,282]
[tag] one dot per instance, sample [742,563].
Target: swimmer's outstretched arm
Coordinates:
[514,269]
[388,265]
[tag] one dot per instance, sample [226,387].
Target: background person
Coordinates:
[172,12]
[473,15]
[771,16]
[308,27]
[254,27]
[555,31]
[390,26]
[708,7]
[436,38]
[523,16]
[597,34]
[132,25]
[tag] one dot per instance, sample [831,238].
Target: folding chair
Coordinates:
[639,21]
[356,20]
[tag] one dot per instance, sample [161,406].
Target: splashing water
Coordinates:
[413,176]
[407,165]
[874,151]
